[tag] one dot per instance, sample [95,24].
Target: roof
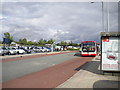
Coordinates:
[110,33]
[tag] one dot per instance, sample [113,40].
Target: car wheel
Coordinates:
[18,53]
[3,54]
[9,53]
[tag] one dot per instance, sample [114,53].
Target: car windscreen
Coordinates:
[4,48]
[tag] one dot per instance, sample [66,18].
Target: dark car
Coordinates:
[26,50]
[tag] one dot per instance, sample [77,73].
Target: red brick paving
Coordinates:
[50,77]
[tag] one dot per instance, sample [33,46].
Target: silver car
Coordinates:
[12,51]
[3,51]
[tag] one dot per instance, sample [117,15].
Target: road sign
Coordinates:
[6,40]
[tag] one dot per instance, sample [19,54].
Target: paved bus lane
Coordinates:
[34,73]
[18,68]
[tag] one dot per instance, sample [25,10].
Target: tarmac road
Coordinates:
[18,68]
[43,72]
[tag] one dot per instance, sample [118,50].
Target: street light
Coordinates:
[107,16]
[102,15]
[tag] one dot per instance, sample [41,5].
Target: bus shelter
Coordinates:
[110,51]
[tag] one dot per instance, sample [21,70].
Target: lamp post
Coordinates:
[107,16]
[102,15]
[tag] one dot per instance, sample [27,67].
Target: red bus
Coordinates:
[88,48]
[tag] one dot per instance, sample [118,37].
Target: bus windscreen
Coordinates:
[88,47]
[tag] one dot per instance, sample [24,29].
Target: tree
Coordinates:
[35,43]
[0,42]
[9,37]
[63,43]
[70,43]
[41,42]
[23,41]
[51,41]
[29,43]
[75,44]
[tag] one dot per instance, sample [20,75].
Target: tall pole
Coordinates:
[103,17]
[107,16]
[103,27]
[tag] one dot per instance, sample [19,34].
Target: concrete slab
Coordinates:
[89,76]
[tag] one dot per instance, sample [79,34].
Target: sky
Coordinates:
[61,21]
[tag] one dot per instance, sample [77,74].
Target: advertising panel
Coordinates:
[110,54]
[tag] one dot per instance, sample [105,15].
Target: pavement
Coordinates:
[89,76]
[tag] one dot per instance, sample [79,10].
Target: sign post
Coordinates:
[110,45]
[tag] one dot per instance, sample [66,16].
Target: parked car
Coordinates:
[46,49]
[19,50]
[26,50]
[3,51]
[41,49]
[12,51]
[49,49]
[36,49]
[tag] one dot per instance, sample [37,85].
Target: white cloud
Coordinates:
[60,21]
